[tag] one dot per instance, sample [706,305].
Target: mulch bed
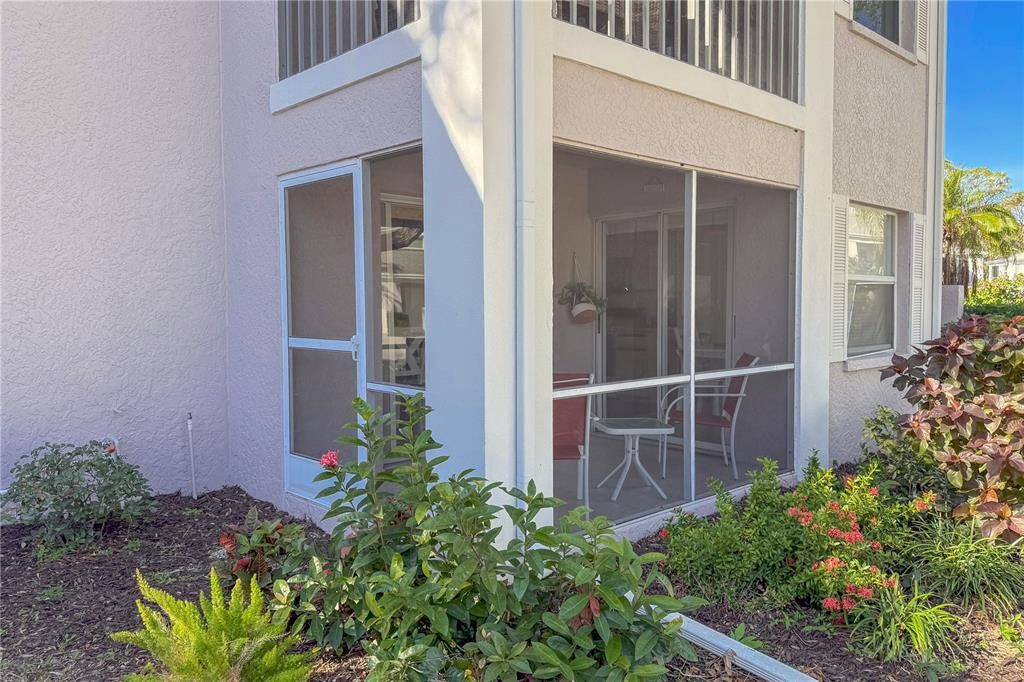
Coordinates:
[825,656]
[56,617]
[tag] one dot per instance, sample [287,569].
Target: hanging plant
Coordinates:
[584,303]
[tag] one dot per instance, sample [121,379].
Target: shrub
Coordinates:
[958,565]
[73,492]
[903,470]
[1002,296]
[729,554]
[216,641]
[893,627]
[965,387]
[266,550]
[418,563]
[847,532]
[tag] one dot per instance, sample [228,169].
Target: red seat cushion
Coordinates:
[562,452]
[718,420]
[721,421]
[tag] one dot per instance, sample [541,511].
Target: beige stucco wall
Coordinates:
[853,397]
[258,147]
[112,238]
[607,111]
[879,158]
[881,124]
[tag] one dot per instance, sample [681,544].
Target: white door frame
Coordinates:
[600,268]
[298,470]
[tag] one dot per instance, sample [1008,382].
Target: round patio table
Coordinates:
[632,429]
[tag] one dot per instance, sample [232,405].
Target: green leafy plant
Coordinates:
[72,493]
[739,633]
[953,561]
[266,550]
[902,469]
[1000,296]
[215,641]
[581,292]
[740,547]
[418,571]
[893,627]
[966,387]
[1011,631]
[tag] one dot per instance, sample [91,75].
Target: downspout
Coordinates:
[939,103]
[520,250]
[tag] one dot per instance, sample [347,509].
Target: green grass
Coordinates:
[52,593]
[950,559]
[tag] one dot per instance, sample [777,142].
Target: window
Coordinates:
[871,280]
[881,16]
[401,289]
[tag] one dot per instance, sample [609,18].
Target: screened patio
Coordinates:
[678,367]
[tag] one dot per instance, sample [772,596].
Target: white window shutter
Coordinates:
[923,15]
[840,218]
[917,267]
[844,8]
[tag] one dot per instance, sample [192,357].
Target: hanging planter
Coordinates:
[584,303]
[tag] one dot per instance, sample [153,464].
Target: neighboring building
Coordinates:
[252,212]
[1004,267]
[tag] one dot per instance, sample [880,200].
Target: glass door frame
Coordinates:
[663,227]
[299,470]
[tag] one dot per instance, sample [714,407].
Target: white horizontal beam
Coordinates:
[582,45]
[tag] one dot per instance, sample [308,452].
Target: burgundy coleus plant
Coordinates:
[967,390]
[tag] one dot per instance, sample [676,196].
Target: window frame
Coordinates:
[893,279]
[899,21]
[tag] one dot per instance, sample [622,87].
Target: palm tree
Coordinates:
[983,218]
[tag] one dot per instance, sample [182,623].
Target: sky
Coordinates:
[985,85]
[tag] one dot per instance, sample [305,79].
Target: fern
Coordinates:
[216,641]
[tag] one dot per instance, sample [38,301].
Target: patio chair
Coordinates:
[571,433]
[734,391]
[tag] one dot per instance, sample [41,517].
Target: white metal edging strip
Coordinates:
[753,661]
[762,665]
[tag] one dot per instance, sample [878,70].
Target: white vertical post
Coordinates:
[689,300]
[469,189]
[814,243]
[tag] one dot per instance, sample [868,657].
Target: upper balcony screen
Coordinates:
[753,41]
[312,31]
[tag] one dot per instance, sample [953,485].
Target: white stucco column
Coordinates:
[469,209]
[814,234]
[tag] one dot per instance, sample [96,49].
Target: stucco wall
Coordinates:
[855,396]
[879,158]
[607,111]
[258,147]
[113,243]
[881,124]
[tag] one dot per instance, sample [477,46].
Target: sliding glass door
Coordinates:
[643,272]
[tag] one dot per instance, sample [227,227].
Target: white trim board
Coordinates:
[381,54]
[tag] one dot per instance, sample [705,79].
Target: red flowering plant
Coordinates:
[847,530]
[967,388]
[267,550]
